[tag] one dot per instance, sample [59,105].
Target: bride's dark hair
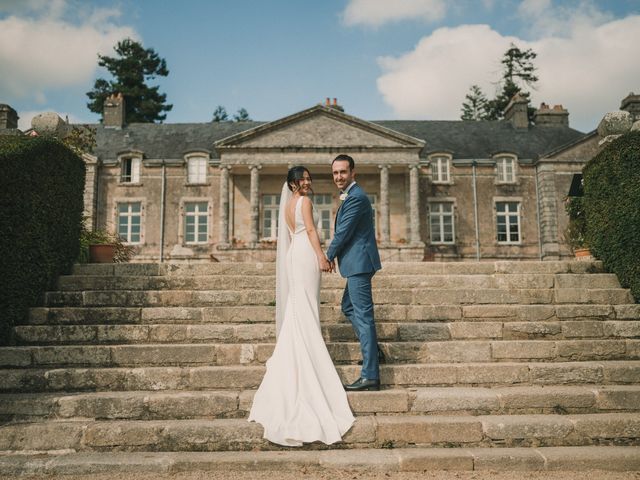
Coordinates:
[294,176]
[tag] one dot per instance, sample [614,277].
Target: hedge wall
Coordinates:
[612,208]
[41,205]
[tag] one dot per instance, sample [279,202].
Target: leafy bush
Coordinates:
[123,253]
[41,203]
[612,206]
[576,229]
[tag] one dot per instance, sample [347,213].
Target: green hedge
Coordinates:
[612,207]
[41,205]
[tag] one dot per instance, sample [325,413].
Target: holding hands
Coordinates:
[327,266]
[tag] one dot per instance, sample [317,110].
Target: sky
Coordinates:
[382,59]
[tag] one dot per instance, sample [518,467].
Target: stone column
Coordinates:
[255,204]
[414,205]
[224,205]
[92,165]
[385,237]
[547,195]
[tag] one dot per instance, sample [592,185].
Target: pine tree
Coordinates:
[518,73]
[220,114]
[475,106]
[242,116]
[131,70]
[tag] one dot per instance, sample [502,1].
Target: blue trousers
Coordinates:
[357,306]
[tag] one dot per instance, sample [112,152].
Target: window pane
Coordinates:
[123,207]
[135,207]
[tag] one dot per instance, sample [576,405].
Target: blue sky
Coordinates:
[382,59]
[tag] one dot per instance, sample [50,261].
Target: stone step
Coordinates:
[261,332]
[223,354]
[389,431]
[331,463]
[414,296]
[330,314]
[227,282]
[249,377]
[402,268]
[209,404]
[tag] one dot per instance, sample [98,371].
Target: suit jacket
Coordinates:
[354,239]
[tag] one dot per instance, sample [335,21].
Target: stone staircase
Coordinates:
[491,365]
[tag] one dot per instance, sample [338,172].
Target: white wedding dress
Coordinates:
[301,398]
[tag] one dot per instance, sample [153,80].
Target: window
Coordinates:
[508,222]
[197,170]
[129,221]
[270,207]
[440,170]
[441,222]
[130,170]
[196,222]
[322,203]
[506,169]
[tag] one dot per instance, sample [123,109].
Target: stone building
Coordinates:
[441,190]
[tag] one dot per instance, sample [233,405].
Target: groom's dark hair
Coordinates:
[345,158]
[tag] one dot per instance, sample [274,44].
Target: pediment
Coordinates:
[319,127]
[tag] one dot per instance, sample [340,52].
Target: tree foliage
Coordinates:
[242,116]
[131,70]
[220,114]
[475,105]
[518,73]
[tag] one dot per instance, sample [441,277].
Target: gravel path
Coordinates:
[346,475]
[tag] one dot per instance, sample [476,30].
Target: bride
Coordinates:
[301,398]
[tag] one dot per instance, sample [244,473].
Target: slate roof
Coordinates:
[483,139]
[464,139]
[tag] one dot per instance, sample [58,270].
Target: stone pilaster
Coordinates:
[224,205]
[91,164]
[255,204]
[414,205]
[548,212]
[385,236]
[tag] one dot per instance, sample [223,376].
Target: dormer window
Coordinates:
[440,169]
[506,169]
[197,170]
[130,170]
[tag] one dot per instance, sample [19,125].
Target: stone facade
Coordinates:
[441,190]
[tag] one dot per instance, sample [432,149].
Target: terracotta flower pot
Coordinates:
[102,253]
[582,253]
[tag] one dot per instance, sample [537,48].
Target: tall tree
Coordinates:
[475,105]
[131,70]
[220,114]
[518,73]
[242,115]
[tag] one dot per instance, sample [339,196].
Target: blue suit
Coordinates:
[354,245]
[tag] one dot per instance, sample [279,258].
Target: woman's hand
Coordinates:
[325,266]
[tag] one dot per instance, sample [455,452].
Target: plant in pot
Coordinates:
[102,246]
[576,229]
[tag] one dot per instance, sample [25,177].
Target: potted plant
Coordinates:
[101,246]
[576,229]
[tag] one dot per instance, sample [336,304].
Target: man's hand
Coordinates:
[333,265]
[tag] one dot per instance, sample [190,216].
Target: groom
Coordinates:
[354,245]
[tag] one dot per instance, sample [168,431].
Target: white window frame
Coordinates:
[182,221]
[440,215]
[323,203]
[135,162]
[502,169]
[197,169]
[130,214]
[271,211]
[507,214]
[440,168]
[197,214]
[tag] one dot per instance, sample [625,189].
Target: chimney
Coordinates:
[631,104]
[8,117]
[113,116]
[546,116]
[516,112]
[336,105]
[328,102]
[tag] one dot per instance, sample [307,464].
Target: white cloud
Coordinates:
[375,13]
[43,51]
[588,69]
